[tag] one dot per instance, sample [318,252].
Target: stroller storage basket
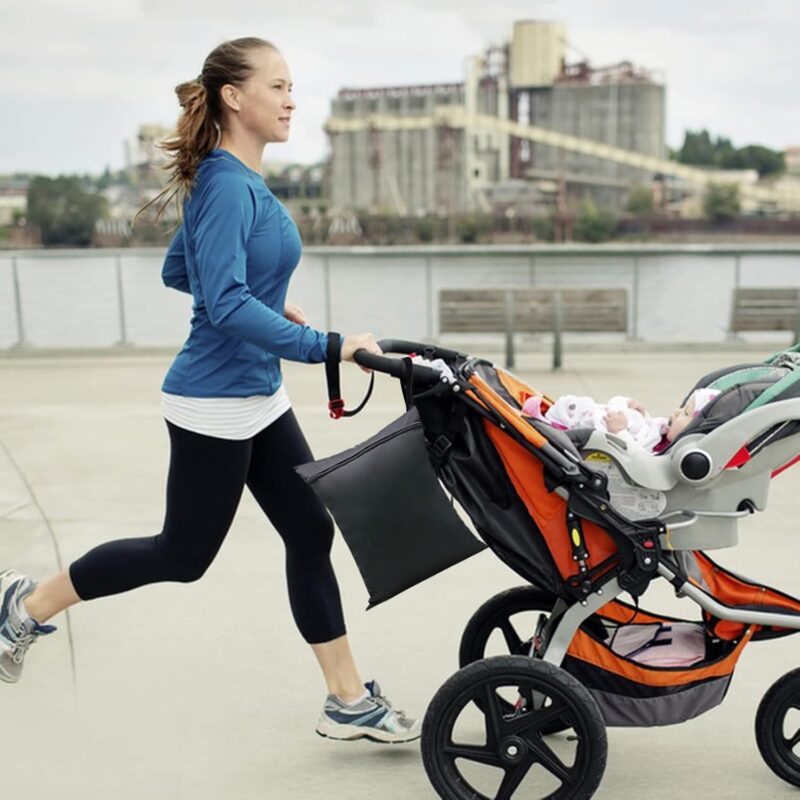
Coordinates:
[630,693]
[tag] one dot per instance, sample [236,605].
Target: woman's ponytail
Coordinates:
[199,126]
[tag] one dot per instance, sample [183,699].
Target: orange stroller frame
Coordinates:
[539,502]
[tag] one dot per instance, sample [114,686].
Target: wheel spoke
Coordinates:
[491,713]
[551,762]
[794,741]
[534,721]
[513,778]
[513,641]
[481,755]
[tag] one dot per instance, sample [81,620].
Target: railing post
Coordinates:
[18,304]
[737,282]
[509,297]
[558,324]
[123,325]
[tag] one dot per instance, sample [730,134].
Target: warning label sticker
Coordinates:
[634,502]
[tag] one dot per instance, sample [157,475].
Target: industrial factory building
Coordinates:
[447,148]
[526,132]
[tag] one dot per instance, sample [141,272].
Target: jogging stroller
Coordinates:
[583,519]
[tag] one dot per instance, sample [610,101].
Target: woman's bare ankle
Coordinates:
[50,597]
[33,606]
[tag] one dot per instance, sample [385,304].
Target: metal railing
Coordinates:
[100,298]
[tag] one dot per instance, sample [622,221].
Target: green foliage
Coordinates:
[543,228]
[700,149]
[721,201]
[471,229]
[640,201]
[394,229]
[105,180]
[64,211]
[592,225]
[754,156]
[697,149]
[424,229]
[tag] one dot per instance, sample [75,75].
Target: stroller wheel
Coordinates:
[496,750]
[778,727]
[493,620]
[505,623]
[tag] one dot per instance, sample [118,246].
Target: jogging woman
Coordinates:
[228,415]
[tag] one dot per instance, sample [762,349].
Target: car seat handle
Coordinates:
[699,458]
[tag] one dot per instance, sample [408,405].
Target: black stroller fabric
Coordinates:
[392,512]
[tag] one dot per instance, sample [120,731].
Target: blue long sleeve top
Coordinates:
[235,253]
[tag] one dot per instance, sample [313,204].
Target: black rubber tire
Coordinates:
[780,754]
[572,704]
[487,619]
[496,609]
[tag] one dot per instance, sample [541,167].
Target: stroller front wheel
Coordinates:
[778,727]
[489,750]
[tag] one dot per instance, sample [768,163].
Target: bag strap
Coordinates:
[333,358]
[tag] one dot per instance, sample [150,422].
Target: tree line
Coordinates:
[701,150]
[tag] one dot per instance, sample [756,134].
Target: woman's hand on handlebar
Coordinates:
[362,341]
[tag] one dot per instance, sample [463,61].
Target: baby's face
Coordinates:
[680,418]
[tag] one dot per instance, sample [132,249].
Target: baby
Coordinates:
[621,416]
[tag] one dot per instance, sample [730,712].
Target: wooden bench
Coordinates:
[535,309]
[766,309]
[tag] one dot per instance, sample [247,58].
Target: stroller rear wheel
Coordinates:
[491,627]
[778,727]
[495,616]
[495,750]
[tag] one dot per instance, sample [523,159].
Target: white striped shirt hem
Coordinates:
[234,418]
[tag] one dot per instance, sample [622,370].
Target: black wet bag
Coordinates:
[391,509]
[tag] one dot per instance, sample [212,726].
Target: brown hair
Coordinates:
[199,126]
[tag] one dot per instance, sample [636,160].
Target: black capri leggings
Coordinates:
[205,483]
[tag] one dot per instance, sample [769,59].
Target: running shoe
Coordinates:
[18,631]
[372,718]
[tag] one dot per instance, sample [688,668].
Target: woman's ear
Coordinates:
[230,96]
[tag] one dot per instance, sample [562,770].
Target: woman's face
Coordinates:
[265,98]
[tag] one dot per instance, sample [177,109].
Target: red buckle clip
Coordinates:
[336,408]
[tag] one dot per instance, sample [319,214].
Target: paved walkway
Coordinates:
[207,691]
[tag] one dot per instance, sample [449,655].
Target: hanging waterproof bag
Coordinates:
[391,509]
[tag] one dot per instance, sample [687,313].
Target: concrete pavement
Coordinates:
[207,690]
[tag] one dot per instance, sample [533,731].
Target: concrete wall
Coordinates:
[99,298]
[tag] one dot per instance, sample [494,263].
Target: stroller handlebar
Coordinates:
[429,351]
[396,367]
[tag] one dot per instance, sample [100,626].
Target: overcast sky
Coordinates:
[77,77]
